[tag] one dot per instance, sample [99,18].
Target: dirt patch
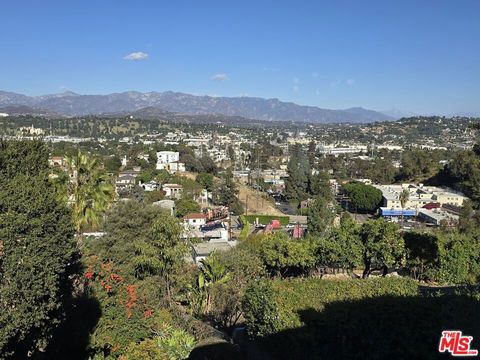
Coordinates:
[255,202]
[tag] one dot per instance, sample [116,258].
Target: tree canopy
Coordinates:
[37,250]
[364,197]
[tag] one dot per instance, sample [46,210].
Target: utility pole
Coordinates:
[229,225]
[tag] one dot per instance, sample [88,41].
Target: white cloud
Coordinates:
[220,77]
[350,82]
[296,82]
[136,56]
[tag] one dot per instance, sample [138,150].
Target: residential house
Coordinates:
[170,161]
[195,220]
[150,186]
[126,179]
[173,191]
[57,161]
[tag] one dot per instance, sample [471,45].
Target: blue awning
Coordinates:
[397,212]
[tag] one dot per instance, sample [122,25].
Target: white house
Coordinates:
[195,220]
[150,186]
[172,168]
[172,190]
[167,157]
[169,160]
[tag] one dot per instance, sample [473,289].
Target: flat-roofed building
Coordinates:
[201,251]
[419,196]
[166,157]
[438,216]
[169,160]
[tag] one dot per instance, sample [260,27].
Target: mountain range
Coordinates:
[72,104]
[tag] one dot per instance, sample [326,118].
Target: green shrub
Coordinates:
[290,297]
[260,308]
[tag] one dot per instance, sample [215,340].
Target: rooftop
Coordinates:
[207,248]
[172,186]
[392,192]
[195,216]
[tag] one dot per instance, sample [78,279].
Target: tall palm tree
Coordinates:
[404,197]
[89,190]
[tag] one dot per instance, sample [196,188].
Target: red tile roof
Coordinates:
[195,216]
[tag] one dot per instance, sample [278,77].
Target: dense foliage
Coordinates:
[363,197]
[37,250]
[335,319]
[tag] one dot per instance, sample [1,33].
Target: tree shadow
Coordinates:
[72,338]
[377,328]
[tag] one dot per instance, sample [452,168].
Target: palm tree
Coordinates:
[404,196]
[212,272]
[89,190]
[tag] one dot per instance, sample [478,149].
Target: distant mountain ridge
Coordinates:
[26,110]
[72,104]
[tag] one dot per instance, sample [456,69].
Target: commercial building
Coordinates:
[419,196]
[438,217]
[332,150]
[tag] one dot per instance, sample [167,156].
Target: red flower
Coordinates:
[116,277]
[131,299]
[89,275]
[147,313]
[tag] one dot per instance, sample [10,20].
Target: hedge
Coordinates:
[378,318]
[266,219]
[295,295]
[245,228]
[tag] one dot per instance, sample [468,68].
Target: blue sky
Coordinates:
[421,56]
